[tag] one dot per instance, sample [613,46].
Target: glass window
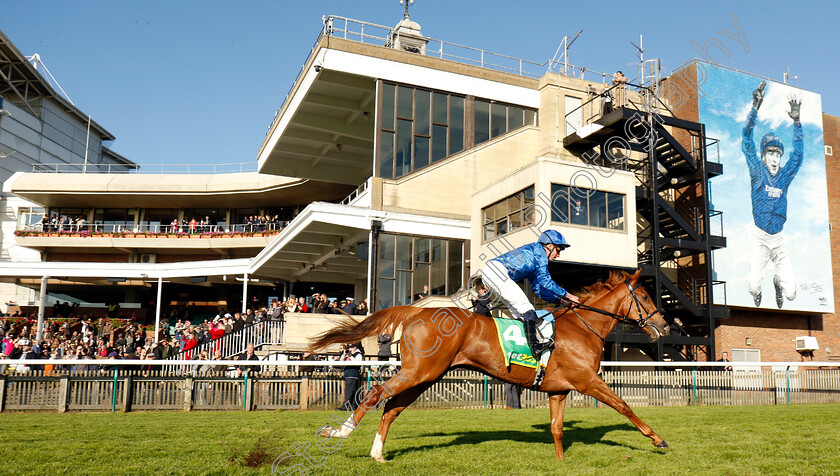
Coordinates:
[402,164]
[439,112]
[456,124]
[386,168]
[482,121]
[421,152]
[559,203]
[509,214]
[387,244]
[385,293]
[388,91]
[404,252]
[421,250]
[438,268]
[418,134]
[598,209]
[498,119]
[587,207]
[438,142]
[516,117]
[454,274]
[615,207]
[421,281]
[402,288]
[433,266]
[421,115]
[405,102]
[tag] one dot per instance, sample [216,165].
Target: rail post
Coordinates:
[486,391]
[694,385]
[114,390]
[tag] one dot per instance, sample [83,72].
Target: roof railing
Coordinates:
[146,168]
[380,35]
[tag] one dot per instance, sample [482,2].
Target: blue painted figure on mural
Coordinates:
[769,184]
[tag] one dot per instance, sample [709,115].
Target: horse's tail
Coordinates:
[350,330]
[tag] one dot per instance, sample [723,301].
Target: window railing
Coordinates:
[141,230]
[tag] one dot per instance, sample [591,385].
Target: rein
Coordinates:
[641,322]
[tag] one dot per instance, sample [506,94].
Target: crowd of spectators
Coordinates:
[67,337]
[252,223]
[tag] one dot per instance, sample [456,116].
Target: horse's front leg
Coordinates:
[598,388]
[557,405]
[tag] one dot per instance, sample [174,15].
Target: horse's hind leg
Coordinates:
[557,405]
[598,388]
[369,402]
[393,408]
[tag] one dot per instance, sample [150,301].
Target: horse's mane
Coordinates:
[601,287]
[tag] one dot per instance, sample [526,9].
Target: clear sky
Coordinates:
[198,81]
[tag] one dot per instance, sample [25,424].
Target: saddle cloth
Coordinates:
[513,342]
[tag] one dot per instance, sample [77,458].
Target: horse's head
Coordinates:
[639,307]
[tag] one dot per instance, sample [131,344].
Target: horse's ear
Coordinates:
[634,278]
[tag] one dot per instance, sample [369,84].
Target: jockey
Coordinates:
[528,261]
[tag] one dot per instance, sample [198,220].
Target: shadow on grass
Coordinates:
[541,434]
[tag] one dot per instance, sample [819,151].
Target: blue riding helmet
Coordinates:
[771,140]
[553,237]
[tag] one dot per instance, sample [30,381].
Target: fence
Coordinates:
[313,385]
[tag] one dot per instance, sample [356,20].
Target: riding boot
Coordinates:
[530,320]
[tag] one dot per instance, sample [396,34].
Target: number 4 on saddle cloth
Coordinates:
[515,345]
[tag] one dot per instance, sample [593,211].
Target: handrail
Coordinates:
[265,332]
[187,169]
[360,190]
[638,87]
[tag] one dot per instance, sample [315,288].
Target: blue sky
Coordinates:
[724,110]
[198,81]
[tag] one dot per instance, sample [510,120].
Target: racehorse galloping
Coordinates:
[436,340]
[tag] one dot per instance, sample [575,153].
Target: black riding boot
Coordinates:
[530,319]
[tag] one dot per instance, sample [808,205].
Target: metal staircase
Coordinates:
[668,156]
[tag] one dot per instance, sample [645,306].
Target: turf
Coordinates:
[798,439]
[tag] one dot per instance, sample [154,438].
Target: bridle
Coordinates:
[641,321]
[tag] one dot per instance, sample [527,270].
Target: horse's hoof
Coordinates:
[327,432]
[379,459]
[662,444]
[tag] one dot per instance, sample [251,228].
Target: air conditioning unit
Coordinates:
[806,344]
[148,258]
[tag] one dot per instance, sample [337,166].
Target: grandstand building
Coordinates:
[398,165]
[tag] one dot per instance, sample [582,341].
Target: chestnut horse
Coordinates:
[435,340]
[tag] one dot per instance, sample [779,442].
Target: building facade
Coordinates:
[396,173]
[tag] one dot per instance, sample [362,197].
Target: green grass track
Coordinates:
[799,439]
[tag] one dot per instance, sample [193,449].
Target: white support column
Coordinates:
[157,308]
[371,280]
[244,293]
[40,330]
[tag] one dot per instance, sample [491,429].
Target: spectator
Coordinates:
[352,374]
[384,341]
[248,355]
[619,90]
[481,303]
[350,307]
